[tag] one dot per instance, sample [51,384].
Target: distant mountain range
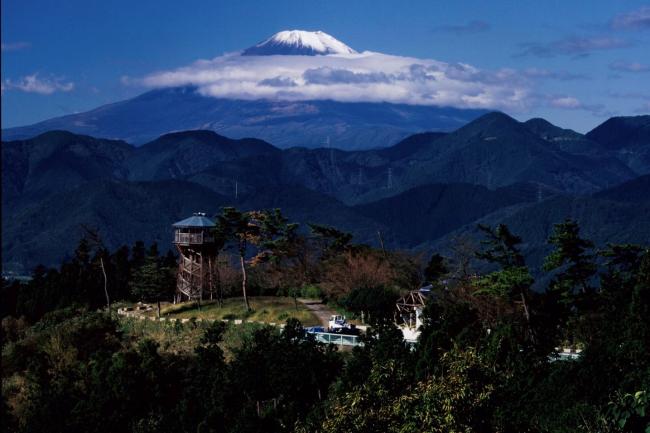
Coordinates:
[347,125]
[421,193]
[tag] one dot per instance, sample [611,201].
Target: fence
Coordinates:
[340,339]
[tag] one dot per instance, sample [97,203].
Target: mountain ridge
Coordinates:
[350,125]
[416,192]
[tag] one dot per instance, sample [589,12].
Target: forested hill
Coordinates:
[415,193]
[491,354]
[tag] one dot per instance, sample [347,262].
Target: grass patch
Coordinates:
[182,338]
[268,309]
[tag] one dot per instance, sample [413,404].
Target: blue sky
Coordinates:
[579,62]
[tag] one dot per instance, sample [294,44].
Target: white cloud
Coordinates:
[570,103]
[565,102]
[573,46]
[363,77]
[638,19]
[34,84]
[13,46]
[629,67]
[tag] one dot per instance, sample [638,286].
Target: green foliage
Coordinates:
[458,400]
[151,282]
[436,268]
[311,291]
[331,240]
[629,412]
[280,377]
[501,247]
[483,362]
[376,303]
[447,322]
[503,283]
[80,280]
[571,255]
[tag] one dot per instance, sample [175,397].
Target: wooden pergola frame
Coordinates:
[407,307]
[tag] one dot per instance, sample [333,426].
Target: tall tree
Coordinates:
[331,240]
[152,282]
[573,258]
[102,258]
[513,280]
[278,242]
[237,227]
[435,269]
[138,254]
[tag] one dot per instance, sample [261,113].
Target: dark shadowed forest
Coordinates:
[485,361]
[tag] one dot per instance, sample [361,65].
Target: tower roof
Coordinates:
[197,220]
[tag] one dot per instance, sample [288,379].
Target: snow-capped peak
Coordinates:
[300,43]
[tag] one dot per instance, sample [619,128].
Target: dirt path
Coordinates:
[320,310]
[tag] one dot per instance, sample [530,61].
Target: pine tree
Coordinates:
[572,257]
[435,269]
[236,227]
[152,282]
[513,280]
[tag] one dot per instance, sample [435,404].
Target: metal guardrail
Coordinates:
[340,339]
[565,355]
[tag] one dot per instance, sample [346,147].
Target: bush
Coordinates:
[377,303]
[311,291]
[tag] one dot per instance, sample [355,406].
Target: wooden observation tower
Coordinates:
[194,239]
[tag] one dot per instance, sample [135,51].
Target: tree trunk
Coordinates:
[243,281]
[158,308]
[217,277]
[108,300]
[527,315]
[525,305]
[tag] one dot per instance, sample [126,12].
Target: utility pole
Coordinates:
[381,242]
[236,190]
[328,144]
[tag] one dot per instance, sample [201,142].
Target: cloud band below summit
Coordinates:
[364,77]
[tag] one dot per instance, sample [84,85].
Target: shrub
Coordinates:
[311,291]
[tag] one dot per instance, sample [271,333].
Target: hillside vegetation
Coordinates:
[416,193]
[485,361]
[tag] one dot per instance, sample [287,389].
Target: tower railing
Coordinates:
[192,238]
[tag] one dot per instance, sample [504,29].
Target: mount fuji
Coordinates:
[282,115]
[300,43]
